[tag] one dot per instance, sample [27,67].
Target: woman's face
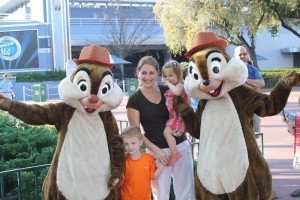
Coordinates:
[147,75]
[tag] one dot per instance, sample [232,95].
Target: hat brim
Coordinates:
[79,61]
[216,43]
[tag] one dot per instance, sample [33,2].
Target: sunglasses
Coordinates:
[244,54]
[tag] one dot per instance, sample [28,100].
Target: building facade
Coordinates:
[61,28]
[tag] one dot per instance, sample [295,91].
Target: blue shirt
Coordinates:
[253,73]
[6,86]
[194,103]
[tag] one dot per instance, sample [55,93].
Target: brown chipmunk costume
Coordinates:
[89,160]
[230,164]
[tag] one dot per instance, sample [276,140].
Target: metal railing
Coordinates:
[26,93]
[35,169]
[261,143]
[52,91]
[110,21]
[122,124]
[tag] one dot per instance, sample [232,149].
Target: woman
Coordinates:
[147,107]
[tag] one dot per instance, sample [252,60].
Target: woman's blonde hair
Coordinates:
[148,60]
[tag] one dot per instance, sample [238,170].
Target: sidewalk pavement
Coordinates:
[278,150]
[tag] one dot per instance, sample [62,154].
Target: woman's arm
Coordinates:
[176,89]
[134,120]
[133,116]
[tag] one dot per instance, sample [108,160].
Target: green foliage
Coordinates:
[231,19]
[184,66]
[272,76]
[28,181]
[236,21]
[287,12]
[40,77]
[22,145]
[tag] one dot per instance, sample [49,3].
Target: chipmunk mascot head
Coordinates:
[89,160]
[230,164]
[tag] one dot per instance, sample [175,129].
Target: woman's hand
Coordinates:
[162,157]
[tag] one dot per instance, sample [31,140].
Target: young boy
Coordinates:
[140,167]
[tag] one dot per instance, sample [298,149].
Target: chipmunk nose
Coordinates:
[93,98]
[206,82]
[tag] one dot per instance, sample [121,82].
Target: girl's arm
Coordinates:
[134,120]
[176,89]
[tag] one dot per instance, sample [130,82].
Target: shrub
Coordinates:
[22,145]
[40,77]
[272,76]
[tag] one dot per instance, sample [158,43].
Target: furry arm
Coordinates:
[190,119]
[278,97]
[35,114]
[116,151]
[292,79]
[264,104]
[5,103]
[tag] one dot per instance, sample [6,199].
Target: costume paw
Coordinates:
[114,182]
[5,103]
[180,105]
[292,79]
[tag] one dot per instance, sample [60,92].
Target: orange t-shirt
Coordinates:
[137,178]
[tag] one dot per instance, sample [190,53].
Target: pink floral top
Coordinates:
[174,121]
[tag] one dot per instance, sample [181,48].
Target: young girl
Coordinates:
[173,77]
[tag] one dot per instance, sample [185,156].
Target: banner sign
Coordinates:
[19,50]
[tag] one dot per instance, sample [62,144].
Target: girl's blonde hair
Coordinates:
[132,131]
[176,68]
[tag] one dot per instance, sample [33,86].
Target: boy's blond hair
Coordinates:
[131,131]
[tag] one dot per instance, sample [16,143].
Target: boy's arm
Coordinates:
[158,171]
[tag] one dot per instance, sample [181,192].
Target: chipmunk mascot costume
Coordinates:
[89,160]
[230,164]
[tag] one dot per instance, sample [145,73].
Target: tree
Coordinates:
[22,145]
[126,29]
[287,12]
[236,21]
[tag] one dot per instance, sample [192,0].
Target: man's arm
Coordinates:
[255,83]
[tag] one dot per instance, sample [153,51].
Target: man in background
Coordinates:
[254,80]
[6,87]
